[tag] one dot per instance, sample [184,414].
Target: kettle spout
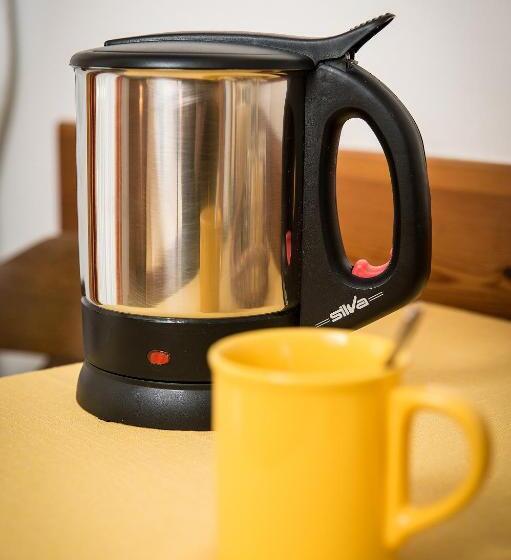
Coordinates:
[347,43]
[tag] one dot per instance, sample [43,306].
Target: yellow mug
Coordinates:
[312,446]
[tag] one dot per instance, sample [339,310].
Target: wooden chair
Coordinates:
[40,287]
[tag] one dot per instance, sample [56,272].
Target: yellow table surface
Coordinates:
[74,487]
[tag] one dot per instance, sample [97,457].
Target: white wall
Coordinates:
[448,61]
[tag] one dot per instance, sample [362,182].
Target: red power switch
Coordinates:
[364,269]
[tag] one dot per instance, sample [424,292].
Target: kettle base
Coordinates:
[139,402]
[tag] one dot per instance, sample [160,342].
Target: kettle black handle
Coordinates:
[331,295]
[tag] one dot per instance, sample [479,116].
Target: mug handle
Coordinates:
[402,518]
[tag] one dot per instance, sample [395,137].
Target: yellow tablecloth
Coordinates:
[74,487]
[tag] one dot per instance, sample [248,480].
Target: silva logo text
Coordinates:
[347,309]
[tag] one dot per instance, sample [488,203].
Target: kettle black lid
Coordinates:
[217,50]
[195,55]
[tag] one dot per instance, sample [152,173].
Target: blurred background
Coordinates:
[448,62]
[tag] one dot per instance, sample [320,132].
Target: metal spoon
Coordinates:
[407,329]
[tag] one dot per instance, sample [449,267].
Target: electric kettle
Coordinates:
[206,202]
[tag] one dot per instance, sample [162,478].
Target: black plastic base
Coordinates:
[120,342]
[139,402]
[171,396]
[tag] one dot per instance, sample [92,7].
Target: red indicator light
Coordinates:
[158,357]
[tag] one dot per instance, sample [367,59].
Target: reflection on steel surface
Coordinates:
[181,191]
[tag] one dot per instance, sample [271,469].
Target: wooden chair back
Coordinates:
[471,216]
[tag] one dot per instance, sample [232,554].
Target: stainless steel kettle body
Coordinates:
[187,191]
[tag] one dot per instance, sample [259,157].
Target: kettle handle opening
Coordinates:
[331,295]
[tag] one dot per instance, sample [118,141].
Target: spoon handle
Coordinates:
[407,329]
